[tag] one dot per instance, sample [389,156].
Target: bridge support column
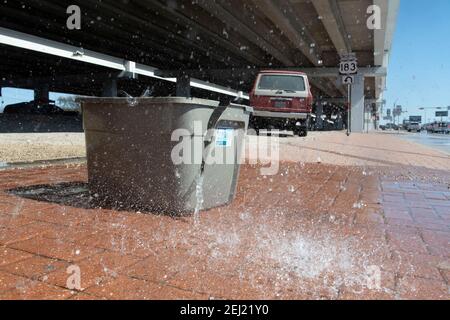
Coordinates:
[319,113]
[183,86]
[110,88]
[42,93]
[357,98]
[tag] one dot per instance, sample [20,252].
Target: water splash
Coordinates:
[199,199]
[359,205]
[132,102]
[318,263]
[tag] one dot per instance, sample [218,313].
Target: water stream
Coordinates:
[199,198]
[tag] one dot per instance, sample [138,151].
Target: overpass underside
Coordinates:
[220,42]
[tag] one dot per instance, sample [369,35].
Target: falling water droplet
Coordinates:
[199,198]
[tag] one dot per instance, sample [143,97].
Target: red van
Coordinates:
[282,100]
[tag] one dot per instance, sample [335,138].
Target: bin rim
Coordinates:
[180,100]
[175,100]
[243,106]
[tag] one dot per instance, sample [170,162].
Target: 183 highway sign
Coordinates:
[348,67]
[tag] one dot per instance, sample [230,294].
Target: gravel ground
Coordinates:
[24,147]
[324,147]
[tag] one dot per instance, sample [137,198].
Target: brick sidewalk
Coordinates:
[376,149]
[314,231]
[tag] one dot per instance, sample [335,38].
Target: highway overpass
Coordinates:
[202,48]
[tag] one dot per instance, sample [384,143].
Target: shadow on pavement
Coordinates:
[27,123]
[76,194]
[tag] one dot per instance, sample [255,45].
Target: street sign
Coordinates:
[348,65]
[398,110]
[347,68]
[388,112]
[415,119]
[348,79]
[441,113]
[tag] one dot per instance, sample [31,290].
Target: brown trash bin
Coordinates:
[129,152]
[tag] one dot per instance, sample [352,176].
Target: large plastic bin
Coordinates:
[129,152]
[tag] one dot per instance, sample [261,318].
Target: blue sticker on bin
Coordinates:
[224,137]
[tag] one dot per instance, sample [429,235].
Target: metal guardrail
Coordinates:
[42,45]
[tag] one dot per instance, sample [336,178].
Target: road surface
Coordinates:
[436,141]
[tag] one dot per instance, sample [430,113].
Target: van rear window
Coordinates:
[282,82]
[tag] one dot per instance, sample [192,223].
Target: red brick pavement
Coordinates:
[313,231]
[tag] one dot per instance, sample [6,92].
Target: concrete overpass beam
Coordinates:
[230,20]
[331,18]
[357,107]
[280,13]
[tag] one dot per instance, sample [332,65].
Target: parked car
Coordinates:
[440,127]
[413,126]
[428,127]
[390,126]
[282,100]
[33,107]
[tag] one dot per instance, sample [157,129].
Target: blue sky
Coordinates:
[13,95]
[419,70]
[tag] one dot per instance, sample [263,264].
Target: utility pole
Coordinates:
[349,110]
[394,112]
